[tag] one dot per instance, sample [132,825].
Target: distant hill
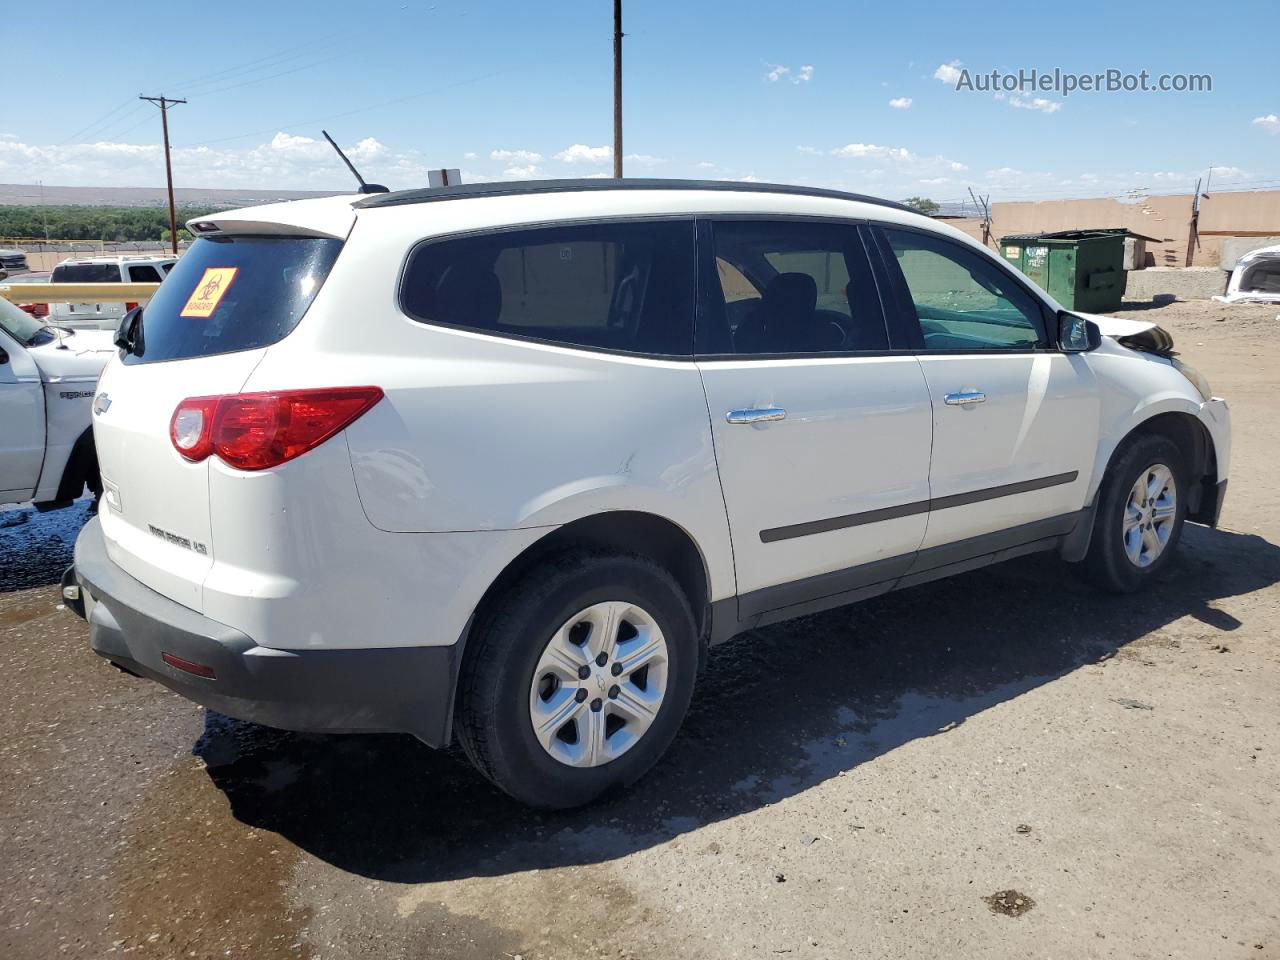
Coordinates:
[24,194]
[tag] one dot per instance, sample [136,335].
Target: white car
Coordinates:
[47,379]
[501,460]
[119,269]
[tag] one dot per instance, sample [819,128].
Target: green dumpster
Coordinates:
[1081,269]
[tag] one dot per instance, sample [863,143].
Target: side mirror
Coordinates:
[4,355]
[1076,334]
[127,332]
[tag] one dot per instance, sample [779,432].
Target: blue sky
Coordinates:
[797,92]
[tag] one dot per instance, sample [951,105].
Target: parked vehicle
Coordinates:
[118,269]
[503,459]
[13,260]
[35,309]
[47,379]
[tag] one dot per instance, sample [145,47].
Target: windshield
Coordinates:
[233,293]
[23,327]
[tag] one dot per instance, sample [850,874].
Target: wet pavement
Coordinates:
[1004,764]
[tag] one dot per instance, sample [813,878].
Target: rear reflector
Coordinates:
[188,666]
[255,431]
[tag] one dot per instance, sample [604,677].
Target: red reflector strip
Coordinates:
[188,666]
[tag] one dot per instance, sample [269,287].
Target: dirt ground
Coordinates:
[1006,764]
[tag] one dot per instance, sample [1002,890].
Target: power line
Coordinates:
[102,119]
[270,60]
[282,73]
[350,113]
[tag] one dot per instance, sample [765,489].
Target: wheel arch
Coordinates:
[629,531]
[79,470]
[648,534]
[1191,436]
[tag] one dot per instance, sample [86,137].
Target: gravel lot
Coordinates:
[1006,764]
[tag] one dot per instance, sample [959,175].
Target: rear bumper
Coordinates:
[402,689]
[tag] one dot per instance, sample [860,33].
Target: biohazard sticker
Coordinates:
[209,292]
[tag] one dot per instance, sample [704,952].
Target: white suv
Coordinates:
[502,460]
[119,269]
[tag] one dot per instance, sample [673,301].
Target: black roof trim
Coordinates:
[464,191]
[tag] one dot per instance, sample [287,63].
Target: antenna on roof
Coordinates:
[364,187]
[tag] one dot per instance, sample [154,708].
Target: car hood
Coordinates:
[1117,326]
[86,353]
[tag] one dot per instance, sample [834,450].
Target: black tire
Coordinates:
[506,643]
[1107,565]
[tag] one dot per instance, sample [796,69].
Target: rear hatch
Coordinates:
[224,303]
[106,315]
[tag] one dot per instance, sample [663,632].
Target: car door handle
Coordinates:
[963,399]
[756,415]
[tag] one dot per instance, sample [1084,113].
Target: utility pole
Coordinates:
[984,206]
[164,103]
[617,89]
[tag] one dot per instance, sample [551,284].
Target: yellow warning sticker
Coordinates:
[209,292]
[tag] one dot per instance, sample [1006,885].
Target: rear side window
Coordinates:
[611,286]
[144,274]
[86,273]
[233,293]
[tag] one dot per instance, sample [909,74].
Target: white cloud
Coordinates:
[861,150]
[286,162]
[527,172]
[706,165]
[470,155]
[1036,103]
[957,167]
[934,181]
[778,72]
[901,103]
[524,157]
[1269,123]
[948,73]
[581,153]
[643,159]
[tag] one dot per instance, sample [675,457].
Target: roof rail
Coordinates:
[464,191]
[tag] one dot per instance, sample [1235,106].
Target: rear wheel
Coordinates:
[1141,510]
[576,681]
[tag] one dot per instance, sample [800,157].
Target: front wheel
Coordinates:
[576,681]
[1141,510]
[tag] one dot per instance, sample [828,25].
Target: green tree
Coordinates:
[90,223]
[923,204]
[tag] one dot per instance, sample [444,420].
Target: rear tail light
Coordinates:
[255,431]
[129,305]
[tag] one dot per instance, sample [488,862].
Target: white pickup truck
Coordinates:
[47,380]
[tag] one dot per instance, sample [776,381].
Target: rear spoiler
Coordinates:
[330,217]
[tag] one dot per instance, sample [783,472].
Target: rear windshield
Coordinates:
[86,273]
[233,293]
